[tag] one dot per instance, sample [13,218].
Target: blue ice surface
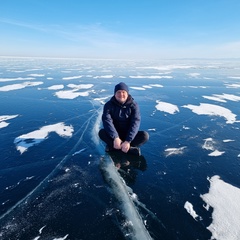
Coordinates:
[57,190]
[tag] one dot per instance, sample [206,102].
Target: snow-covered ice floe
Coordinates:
[189,208]
[25,141]
[4,118]
[223,97]
[212,110]
[74,92]
[210,145]
[18,86]
[166,107]
[224,198]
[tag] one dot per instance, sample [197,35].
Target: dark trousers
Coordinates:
[140,138]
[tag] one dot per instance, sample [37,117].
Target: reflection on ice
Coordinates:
[134,227]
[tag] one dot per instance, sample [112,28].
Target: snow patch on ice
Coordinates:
[212,110]
[80,86]
[166,107]
[223,97]
[210,145]
[16,79]
[70,94]
[104,76]
[25,141]
[144,87]
[36,75]
[138,88]
[150,77]
[62,238]
[156,85]
[174,151]
[170,67]
[152,129]
[3,119]
[189,207]
[71,78]
[233,85]
[228,140]
[216,153]
[56,87]
[234,77]
[194,75]
[101,100]
[19,86]
[225,201]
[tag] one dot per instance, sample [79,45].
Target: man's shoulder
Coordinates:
[132,102]
[109,103]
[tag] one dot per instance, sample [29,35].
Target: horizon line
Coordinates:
[123,59]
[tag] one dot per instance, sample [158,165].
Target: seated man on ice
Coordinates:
[121,121]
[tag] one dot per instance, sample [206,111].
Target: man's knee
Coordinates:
[101,133]
[145,136]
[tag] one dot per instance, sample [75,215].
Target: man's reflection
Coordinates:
[128,165]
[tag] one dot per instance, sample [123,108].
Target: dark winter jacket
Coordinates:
[121,120]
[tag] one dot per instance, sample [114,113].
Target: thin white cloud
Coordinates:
[98,41]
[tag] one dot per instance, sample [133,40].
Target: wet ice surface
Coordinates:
[52,185]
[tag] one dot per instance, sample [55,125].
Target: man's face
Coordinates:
[121,96]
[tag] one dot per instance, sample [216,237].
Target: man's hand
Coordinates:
[117,143]
[125,146]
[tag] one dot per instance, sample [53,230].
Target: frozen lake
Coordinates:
[56,182]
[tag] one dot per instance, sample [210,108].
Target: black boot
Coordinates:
[134,151]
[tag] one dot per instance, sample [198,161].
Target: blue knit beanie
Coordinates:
[121,86]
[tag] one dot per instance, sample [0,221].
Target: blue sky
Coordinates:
[120,29]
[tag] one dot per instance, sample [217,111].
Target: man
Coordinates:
[121,121]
